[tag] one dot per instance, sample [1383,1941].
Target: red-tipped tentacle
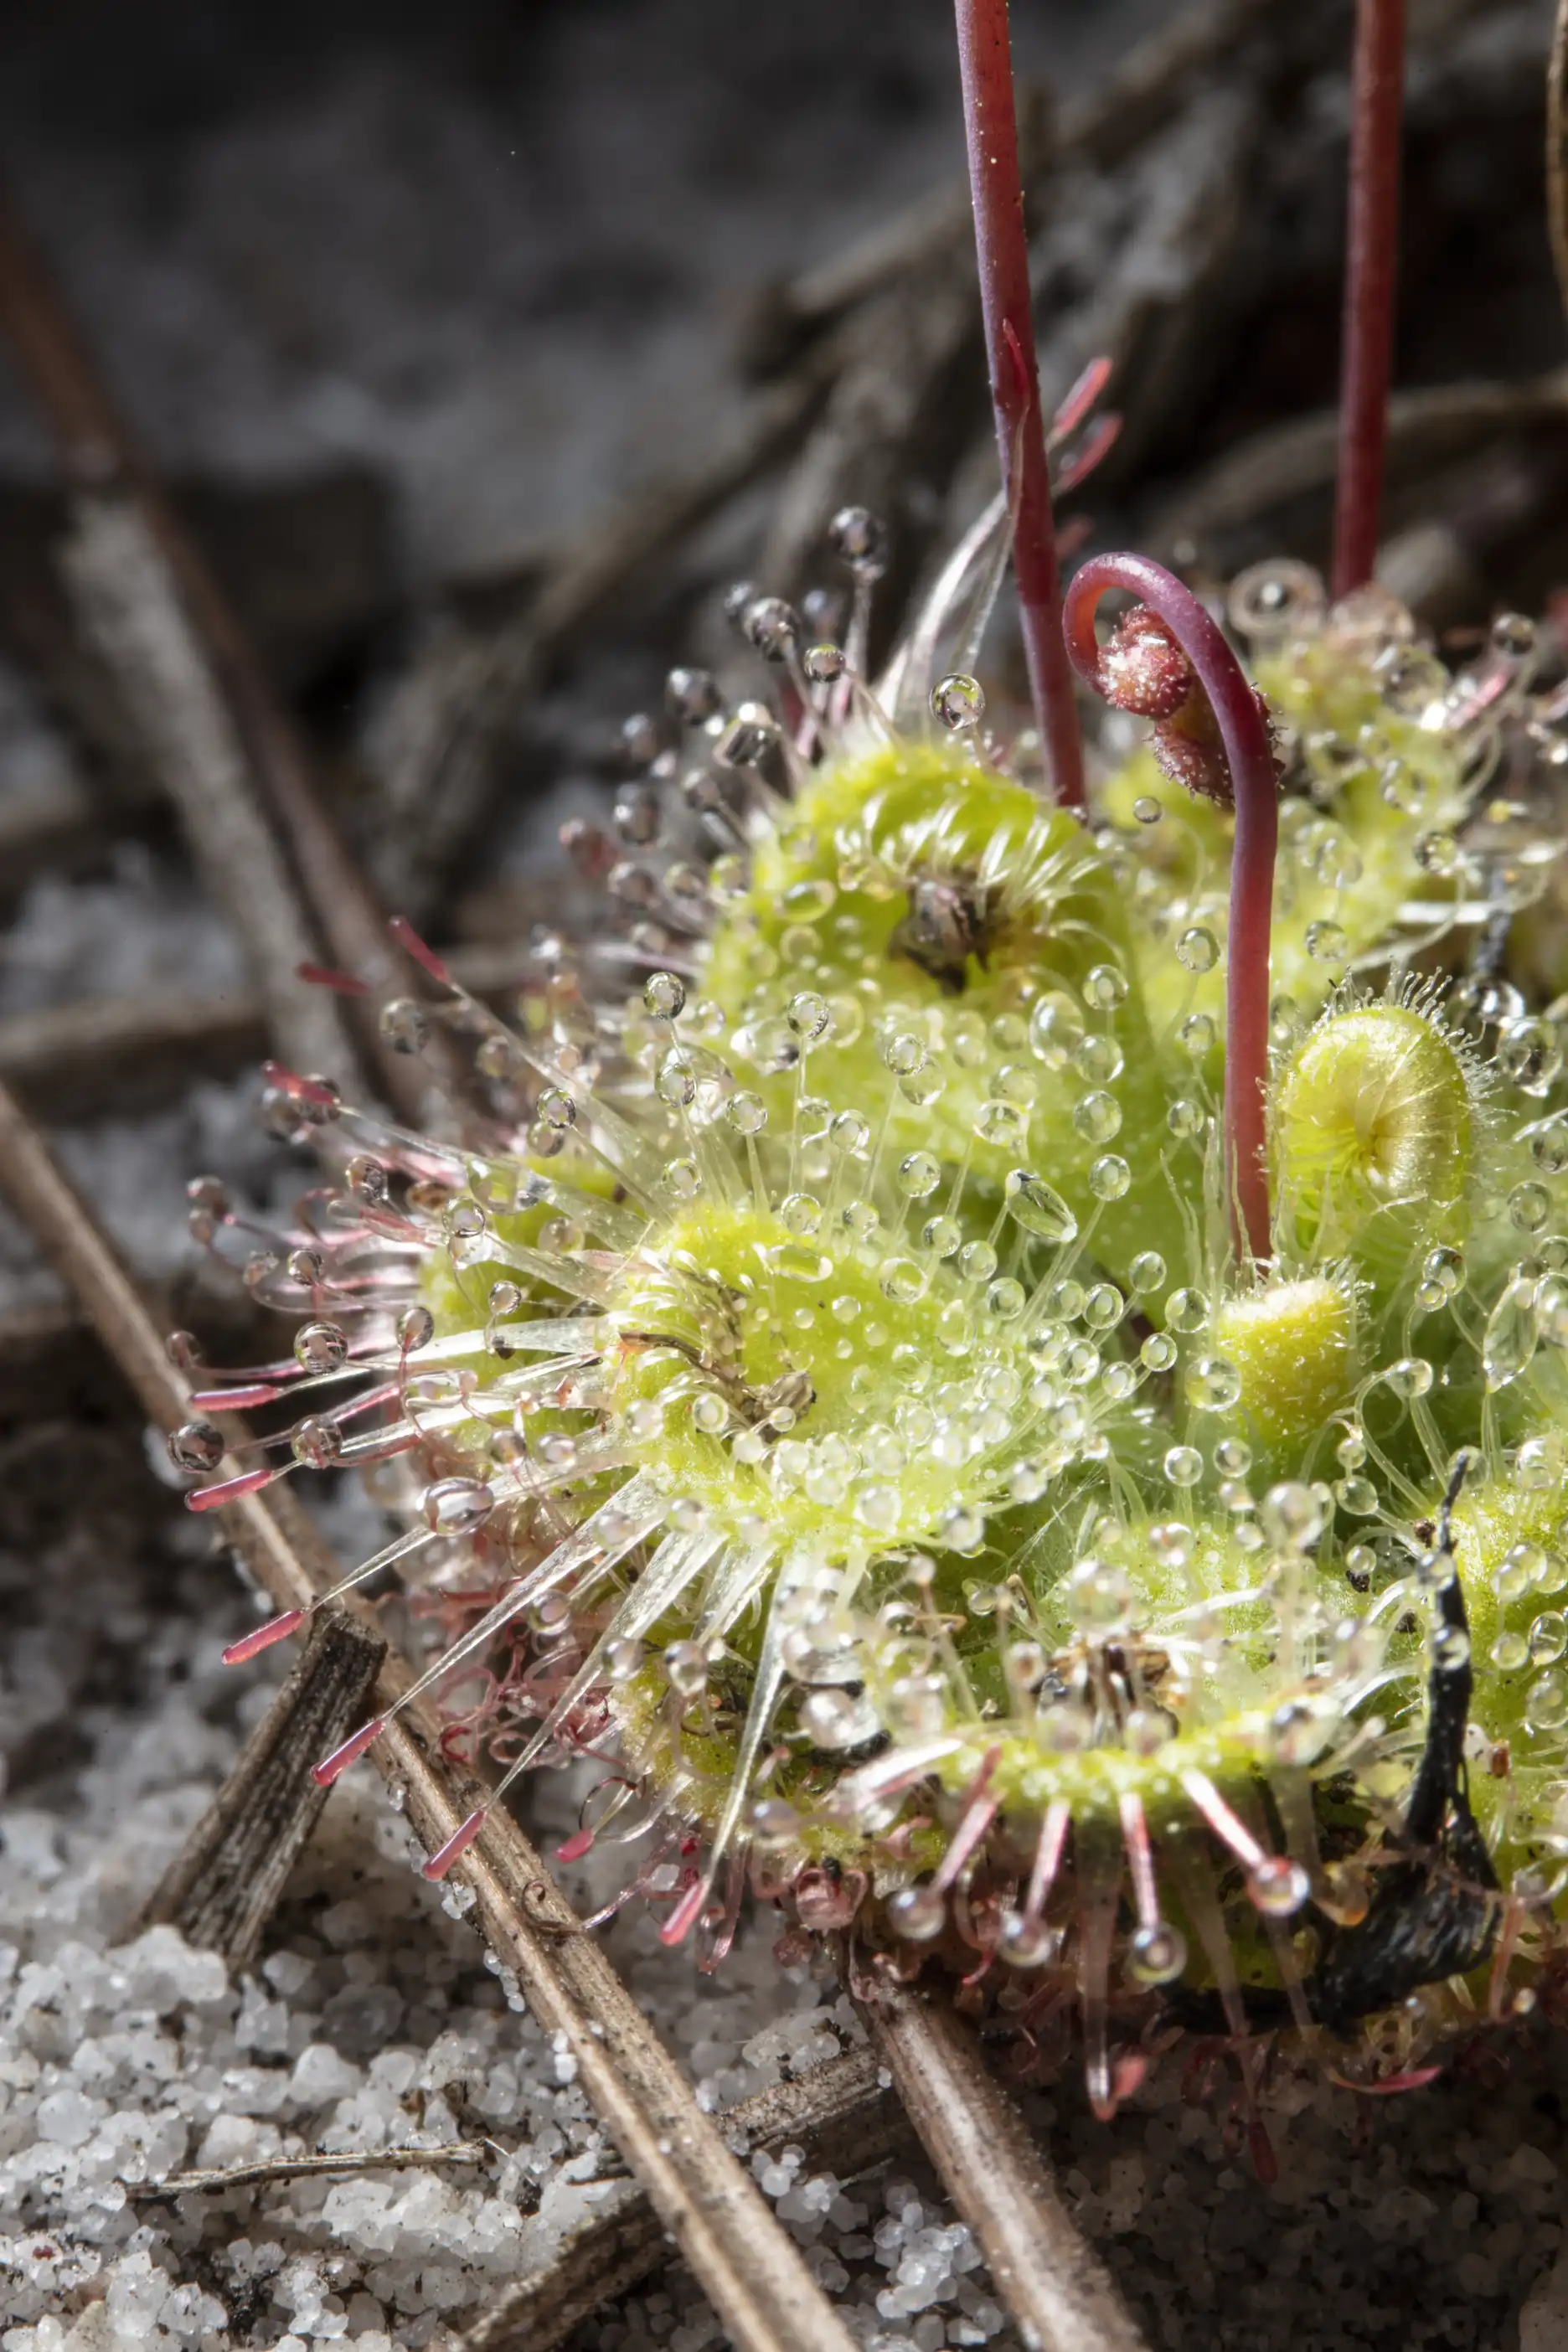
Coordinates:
[333,1767]
[323,975]
[1240,719]
[456,1845]
[250,1645]
[409,941]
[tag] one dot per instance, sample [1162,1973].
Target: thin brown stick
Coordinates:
[101,1051]
[752,2271]
[1557,149]
[1098,129]
[1103,126]
[130,610]
[838,2114]
[1288,461]
[909,240]
[221,1887]
[305,2168]
[452,709]
[1377,97]
[111,475]
[891,398]
[59,826]
[1049,2278]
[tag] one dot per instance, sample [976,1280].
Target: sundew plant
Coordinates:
[998,1353]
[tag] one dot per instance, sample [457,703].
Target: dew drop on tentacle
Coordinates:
[197,1445]
[917,1913]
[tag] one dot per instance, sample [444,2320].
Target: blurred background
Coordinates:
[479,349]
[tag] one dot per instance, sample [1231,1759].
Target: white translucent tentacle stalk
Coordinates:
[904,687]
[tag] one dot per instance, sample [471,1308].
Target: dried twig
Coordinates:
[130,609]
[446,721]
[223,1885]
[102,1051]
[1104,127]
[1296,459]
[837,2113]
[904,399]
[899,324]
[1050,2279]
[891,250]
[1377,95]
[60,826]
[1162,264]
[305,559]
[752,2271]
[1097,129]
[1557,149]
[304,2168]
[197,691]
[889,411]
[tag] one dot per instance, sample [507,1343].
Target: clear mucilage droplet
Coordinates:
[665,995]
[772,626]
[321,1347]
[859,539]
[1040,1208]
[959,702]
[1197,948]
[458,1507]
[692,695]
[405,1025]
[196,1446]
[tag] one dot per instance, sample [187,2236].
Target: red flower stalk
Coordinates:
[1377,90]
[1168,661]
[1001,249]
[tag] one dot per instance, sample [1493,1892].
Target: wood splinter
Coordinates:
[840,2113]
[223,1886]
[220,2180]
[1060,2294]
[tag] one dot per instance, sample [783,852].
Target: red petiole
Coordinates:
[1001,248]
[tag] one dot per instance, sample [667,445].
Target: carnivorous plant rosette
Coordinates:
[998,1353]
[881,1403]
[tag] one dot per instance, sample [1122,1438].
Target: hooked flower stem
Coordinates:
[1002,250]
[1239,716]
